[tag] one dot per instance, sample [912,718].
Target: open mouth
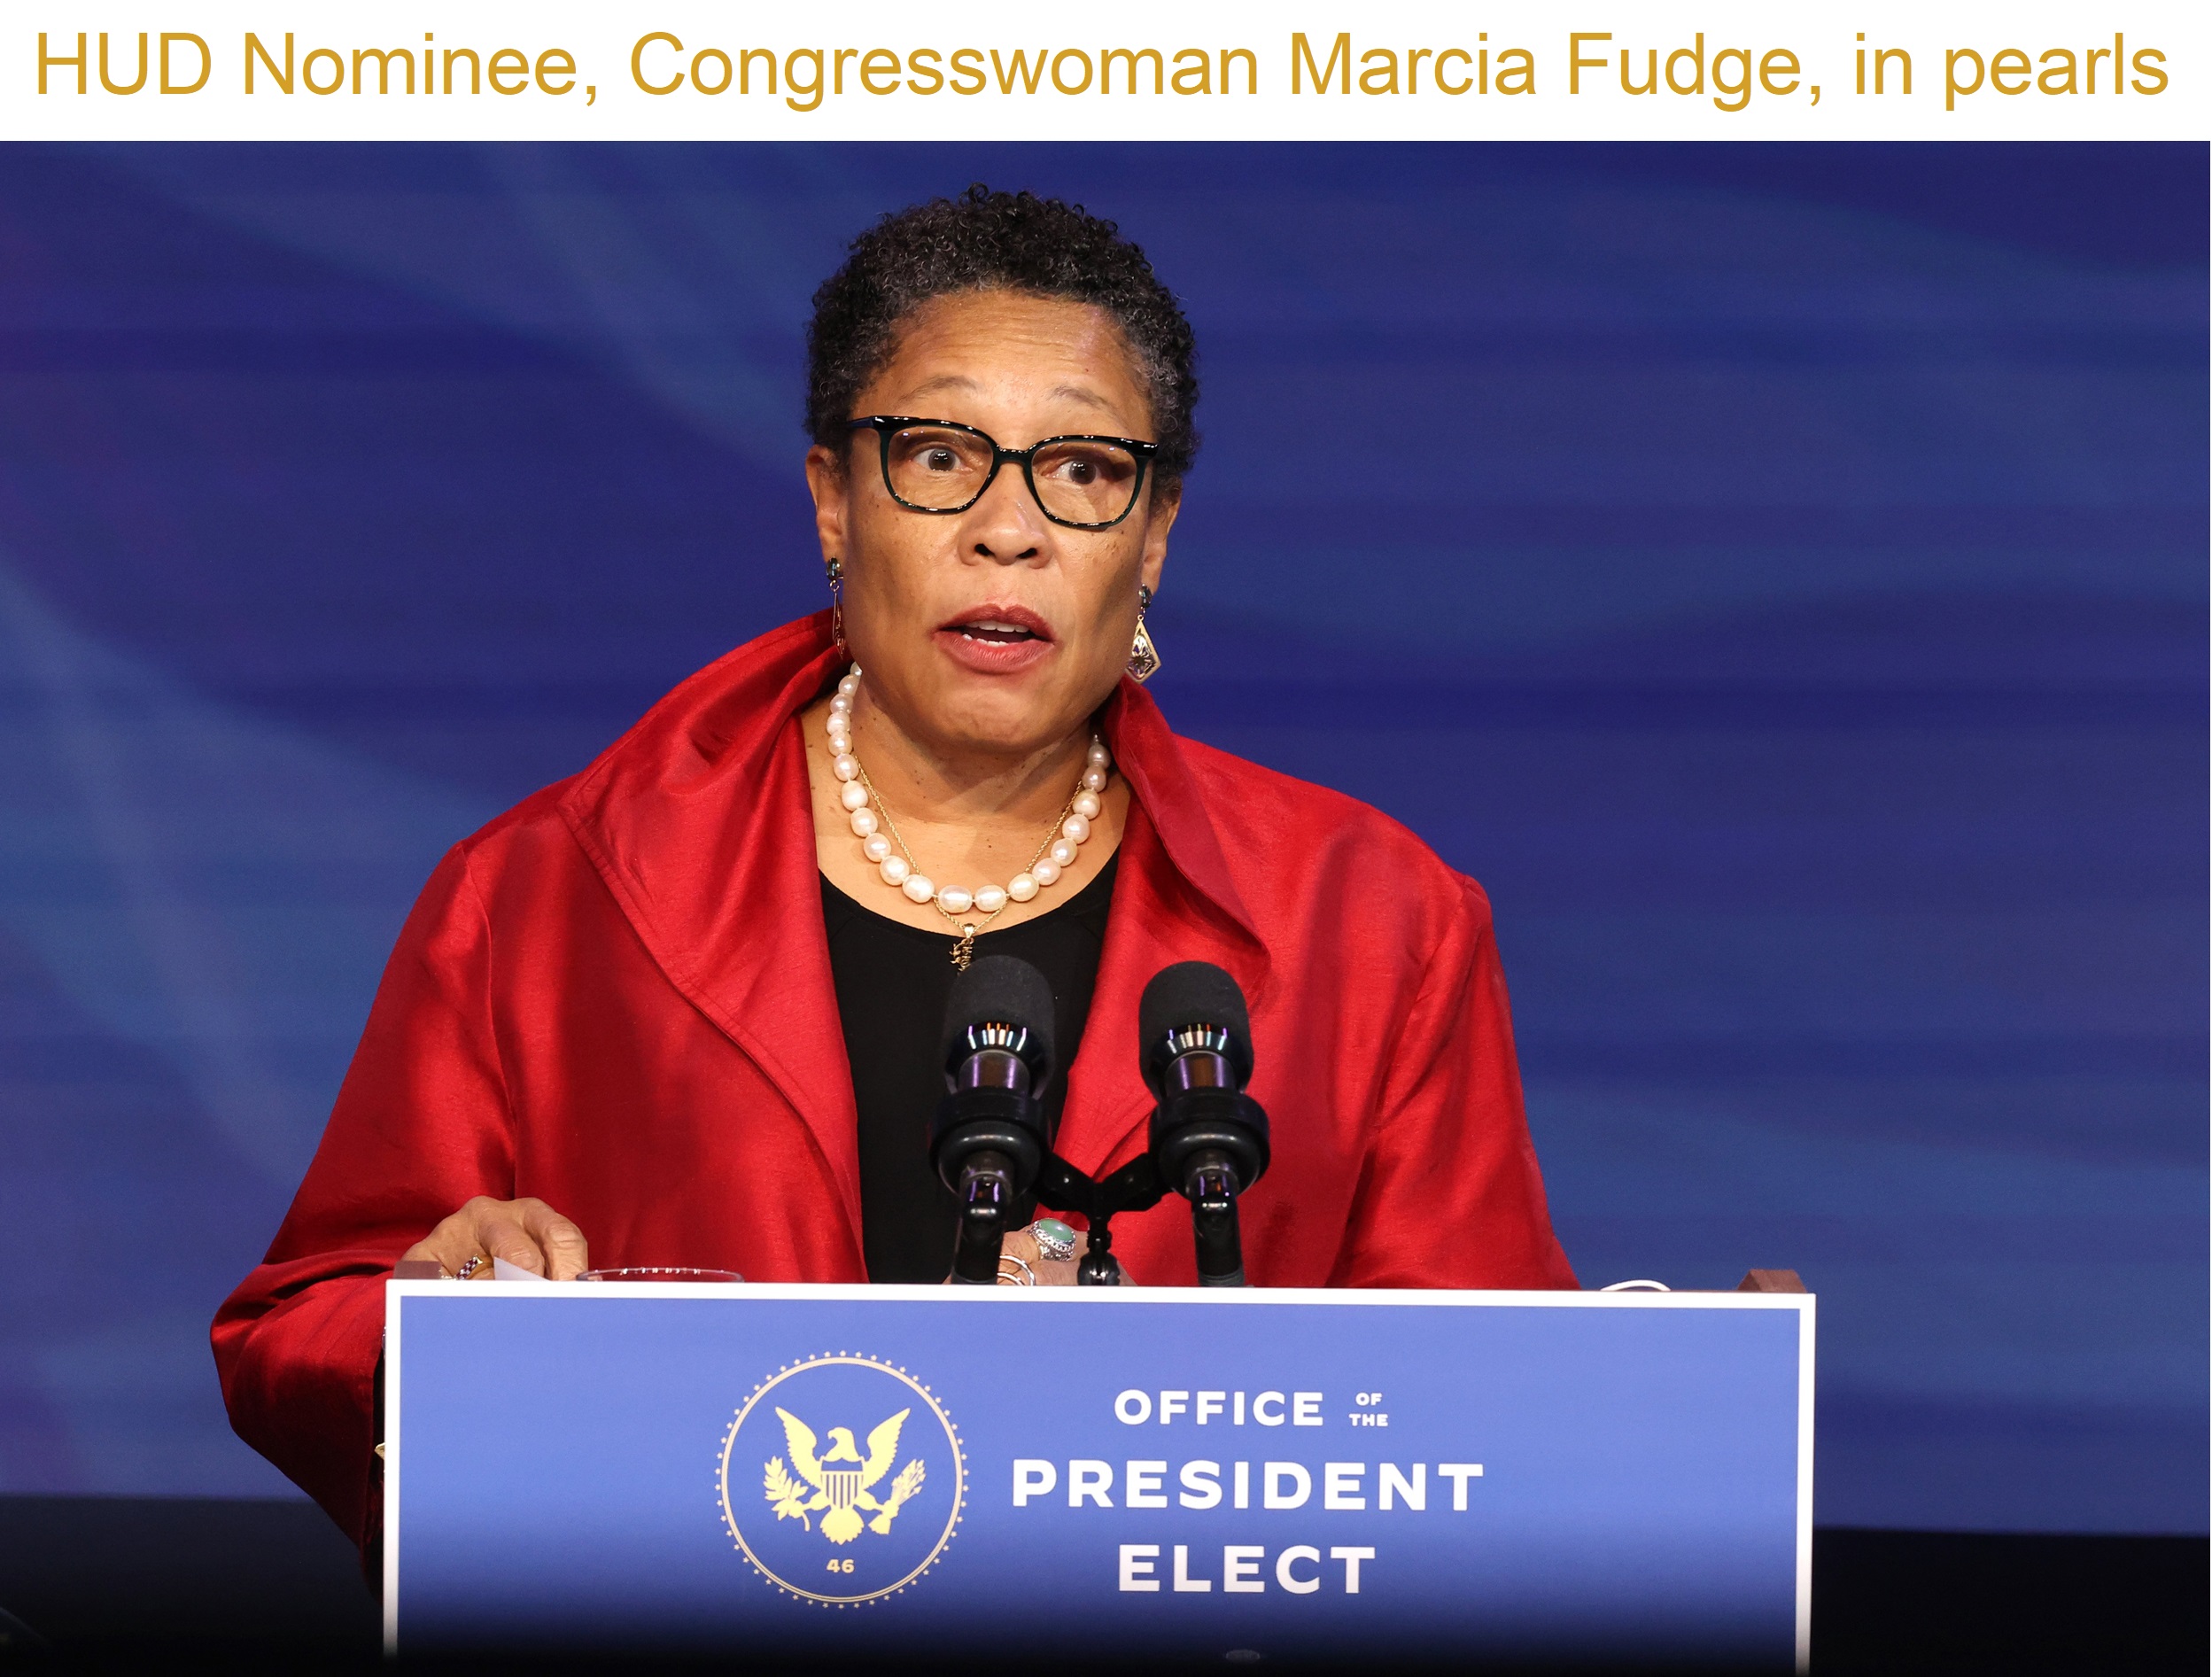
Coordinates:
[997,625]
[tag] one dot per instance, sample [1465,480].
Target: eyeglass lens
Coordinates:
[942,470]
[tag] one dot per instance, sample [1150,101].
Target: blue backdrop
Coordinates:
[1778,573]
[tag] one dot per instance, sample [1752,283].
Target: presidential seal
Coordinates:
[841,1479]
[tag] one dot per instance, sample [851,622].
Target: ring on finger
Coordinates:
[1054,1238]
[1027,1277]
[469,1267]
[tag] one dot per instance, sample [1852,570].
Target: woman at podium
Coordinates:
[683,1009]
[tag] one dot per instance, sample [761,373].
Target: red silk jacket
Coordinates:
[616,997]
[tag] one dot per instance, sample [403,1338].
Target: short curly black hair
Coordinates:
[984,240]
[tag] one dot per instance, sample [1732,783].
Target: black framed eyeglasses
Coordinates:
[933,465]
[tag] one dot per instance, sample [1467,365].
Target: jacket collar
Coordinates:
[698,821]
[1167,791]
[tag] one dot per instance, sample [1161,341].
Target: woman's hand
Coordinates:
[1047,1272]
[528,1233]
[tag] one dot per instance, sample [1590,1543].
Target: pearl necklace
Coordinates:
[855,792]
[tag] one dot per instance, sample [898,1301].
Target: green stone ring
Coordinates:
[1054,1238]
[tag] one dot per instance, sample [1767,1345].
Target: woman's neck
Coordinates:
[966,819]
[975,789]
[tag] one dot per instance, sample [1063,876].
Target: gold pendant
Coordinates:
[964,949]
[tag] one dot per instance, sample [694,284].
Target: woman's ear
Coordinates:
[827,482]
[1160,517]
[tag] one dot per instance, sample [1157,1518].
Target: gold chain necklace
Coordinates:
[964,946]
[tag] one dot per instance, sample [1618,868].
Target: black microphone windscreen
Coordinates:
[1192,993]
[1000,989]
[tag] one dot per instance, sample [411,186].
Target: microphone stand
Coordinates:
[986,1195]
[1211,1185]
[1212,1179]
[1136,1186]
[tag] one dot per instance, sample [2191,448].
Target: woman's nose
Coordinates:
[1006,524]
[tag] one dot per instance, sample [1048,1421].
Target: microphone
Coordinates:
[988,1138]
[1209,1139]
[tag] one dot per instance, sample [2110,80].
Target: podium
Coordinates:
[850,1471]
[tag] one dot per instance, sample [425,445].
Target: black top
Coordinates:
[893,981]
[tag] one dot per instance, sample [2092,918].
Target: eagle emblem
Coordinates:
[841,1479]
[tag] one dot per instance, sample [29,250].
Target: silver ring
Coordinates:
[1059,1245]
[1005,1280]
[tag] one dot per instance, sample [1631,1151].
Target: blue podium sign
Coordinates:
[853,1471]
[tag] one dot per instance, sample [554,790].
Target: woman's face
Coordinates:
[992,629]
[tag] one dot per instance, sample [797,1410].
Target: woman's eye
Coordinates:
[940,460]
[1079,472]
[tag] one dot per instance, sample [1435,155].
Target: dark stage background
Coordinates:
[1778,573]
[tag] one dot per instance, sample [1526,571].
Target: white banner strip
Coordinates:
[272,70]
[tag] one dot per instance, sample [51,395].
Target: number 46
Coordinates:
[841,1566]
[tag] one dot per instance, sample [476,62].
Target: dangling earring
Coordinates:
[1143,657]
[836,569]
